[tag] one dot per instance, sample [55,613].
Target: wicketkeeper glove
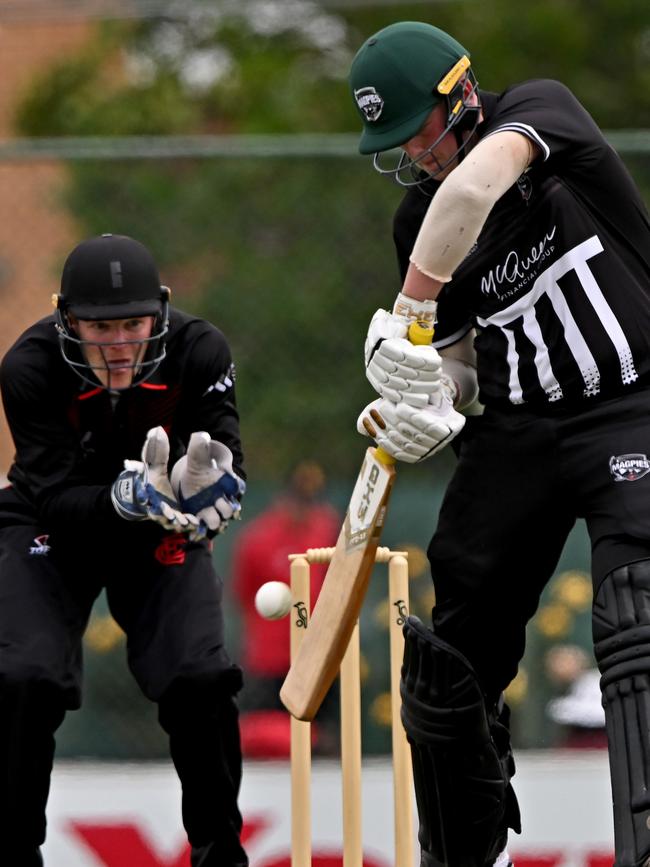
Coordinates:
[142,490]
[397,369]
[205,484]
[411,434]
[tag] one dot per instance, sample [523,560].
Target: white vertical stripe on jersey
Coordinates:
[516,391]
[576,342]
[611,323]
[542,362]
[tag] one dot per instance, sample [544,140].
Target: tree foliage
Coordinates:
[290,257]
[281,66]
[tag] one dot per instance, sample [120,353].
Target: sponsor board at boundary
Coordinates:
[128,814]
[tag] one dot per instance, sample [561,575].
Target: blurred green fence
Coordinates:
[284,243]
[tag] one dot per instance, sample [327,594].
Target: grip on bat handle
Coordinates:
[384,457]
[420,333]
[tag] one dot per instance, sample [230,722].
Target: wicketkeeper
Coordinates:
[523,237]
[128,462]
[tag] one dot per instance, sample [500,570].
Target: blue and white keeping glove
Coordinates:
[205,484]
[142,490]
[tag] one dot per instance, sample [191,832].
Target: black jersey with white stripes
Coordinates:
[558,282]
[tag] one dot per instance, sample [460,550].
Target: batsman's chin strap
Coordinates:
[459,87]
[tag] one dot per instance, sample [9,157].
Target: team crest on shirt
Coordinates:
[370,102]
[629,468]
[41,546]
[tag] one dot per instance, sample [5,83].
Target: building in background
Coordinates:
[31,218]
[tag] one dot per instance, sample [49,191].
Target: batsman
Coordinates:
[128,462]
[523,237]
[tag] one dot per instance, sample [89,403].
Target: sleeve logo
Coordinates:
[225,381]
[41,546]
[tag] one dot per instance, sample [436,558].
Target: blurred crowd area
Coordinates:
[223,137]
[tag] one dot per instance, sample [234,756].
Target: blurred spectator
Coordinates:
[298,519]
[579,712]
[564,663]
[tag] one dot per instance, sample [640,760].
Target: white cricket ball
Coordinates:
[273,600]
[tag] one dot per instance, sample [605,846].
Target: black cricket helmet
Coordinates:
[397,77]
[111,277]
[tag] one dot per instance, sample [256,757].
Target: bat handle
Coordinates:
[420,333]
[384,458]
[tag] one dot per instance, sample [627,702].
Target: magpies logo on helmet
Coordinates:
[369,102]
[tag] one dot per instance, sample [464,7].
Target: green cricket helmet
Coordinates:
[397,78]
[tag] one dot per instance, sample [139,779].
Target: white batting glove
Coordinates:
[411,434]
[142,490]
[396,369]
[205,483]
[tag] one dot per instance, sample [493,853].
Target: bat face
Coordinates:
[344,588]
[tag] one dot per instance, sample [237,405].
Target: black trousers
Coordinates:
[521,482]
[167,598]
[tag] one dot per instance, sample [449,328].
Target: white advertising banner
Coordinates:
[128,815]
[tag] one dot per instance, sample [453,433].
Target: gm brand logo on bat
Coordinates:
[365,503]
[371,484]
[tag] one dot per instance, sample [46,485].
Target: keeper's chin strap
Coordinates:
[72,345]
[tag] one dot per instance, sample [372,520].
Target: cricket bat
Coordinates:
[323,646]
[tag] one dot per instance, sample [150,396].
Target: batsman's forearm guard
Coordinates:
[462,762]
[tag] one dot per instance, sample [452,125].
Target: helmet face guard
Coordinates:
[107,278]
[74,349]
[460,91]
